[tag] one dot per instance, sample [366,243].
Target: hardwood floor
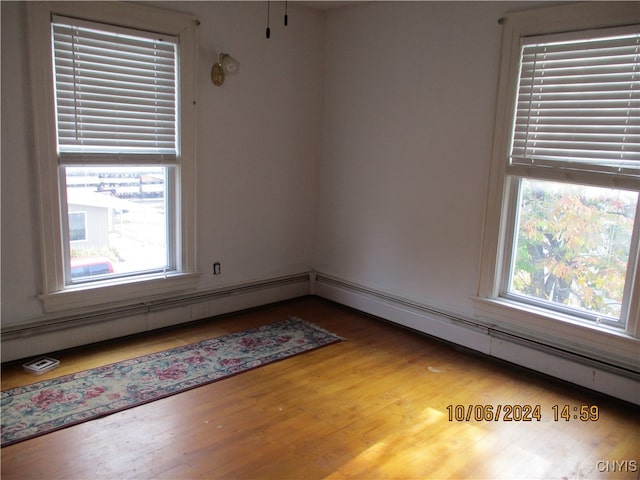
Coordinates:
[372,407]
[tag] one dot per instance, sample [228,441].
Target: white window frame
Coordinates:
[548,327]
[56,296]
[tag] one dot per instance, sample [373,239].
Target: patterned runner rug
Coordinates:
[53,404]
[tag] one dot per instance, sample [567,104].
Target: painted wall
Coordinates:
[355,142]
[258,143]
[258,139]
[20,261]
[409,95]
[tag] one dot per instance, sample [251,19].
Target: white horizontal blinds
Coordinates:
[578,105]
[116,91]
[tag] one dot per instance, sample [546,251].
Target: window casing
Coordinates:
[113,150]
[561,162]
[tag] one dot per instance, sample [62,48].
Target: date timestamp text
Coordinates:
[521,413]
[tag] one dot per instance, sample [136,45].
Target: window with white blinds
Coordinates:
[578,103]
[113,92]
[116,92]
[560,258]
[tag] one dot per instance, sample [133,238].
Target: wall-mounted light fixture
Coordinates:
[227,65]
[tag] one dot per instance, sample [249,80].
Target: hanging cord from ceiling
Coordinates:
[286,16]
[268,29]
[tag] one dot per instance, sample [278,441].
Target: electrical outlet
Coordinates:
[216,268]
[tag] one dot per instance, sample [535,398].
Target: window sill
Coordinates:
[112,293]
[599,342]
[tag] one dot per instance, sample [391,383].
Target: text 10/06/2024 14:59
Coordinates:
[521,413]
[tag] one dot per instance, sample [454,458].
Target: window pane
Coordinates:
[117,220]
[573,245]
[77,226]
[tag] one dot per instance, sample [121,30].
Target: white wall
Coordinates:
[258,139]
[20,262]
[355,142]
[409,104]
[258,142]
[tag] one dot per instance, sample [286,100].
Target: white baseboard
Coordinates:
[59,332]
[470,333]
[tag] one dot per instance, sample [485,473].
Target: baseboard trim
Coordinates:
[59,331]
[474,334]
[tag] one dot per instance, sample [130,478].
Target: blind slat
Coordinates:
[578,105]
[116,90]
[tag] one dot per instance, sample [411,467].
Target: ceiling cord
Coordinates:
[268,29]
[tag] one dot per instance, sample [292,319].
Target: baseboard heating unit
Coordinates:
[593,373]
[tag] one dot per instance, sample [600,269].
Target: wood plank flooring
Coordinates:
[372,407]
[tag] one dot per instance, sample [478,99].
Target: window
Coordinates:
[114,136]
[577,110]
[116,102]
[77,226]
[560,251]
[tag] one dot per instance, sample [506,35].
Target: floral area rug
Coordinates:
[53,404]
